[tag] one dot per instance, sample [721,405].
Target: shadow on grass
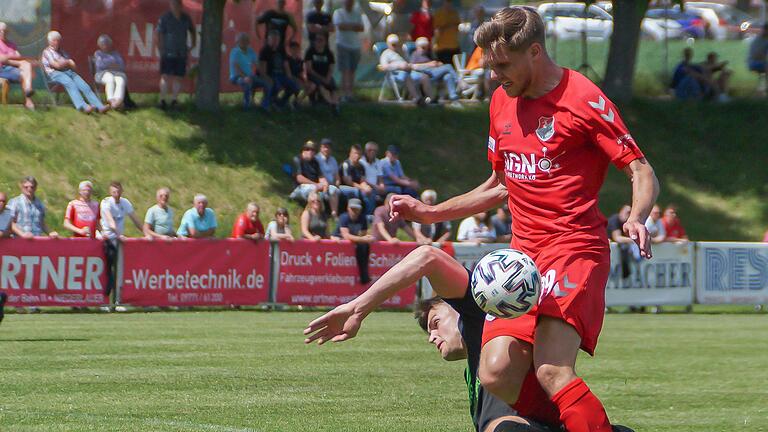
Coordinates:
[46,340]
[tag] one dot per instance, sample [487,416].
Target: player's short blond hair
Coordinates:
[514,28]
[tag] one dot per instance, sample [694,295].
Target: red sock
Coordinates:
[580,410]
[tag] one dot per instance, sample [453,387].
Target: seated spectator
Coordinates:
[6,217]
[758,51]
[248,225]
[297,73]
[314,222]
[475,229]
[437,71]
[627,248]
[319,63]
[437,232]
[328,164]
[275,71]
[82,214]
[385,229]
[372,165]
[354,183]
[655,226]
[502,224]
[113,210]
[110,71]
[16,68]
[718,78]
[158,222]
[691,81]
[243,68]
[393,176]
[29,212]
[199,221]
[309,178]
[353,227]
[60,69]
[672,226]
[403,73]
[278,229]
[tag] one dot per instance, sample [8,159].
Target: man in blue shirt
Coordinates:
[243,66]
[393,176]
[199,221]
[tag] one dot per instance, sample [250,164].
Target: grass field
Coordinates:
[249,371]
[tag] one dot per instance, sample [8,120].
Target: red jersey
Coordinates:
[674,229]
[554,151]
[421,21]
[83,214]
[243,226]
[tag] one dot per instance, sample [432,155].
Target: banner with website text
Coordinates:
[194,272]
[53,272]
[732,273]
[325,273]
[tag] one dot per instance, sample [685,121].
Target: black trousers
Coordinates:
[362,250]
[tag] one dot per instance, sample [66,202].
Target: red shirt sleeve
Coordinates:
[239,229]
[259,227]
[497,163]
[606,129]
[70,213]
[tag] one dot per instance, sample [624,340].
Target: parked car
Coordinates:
[691,25]
[571,20]
[651,28]
[732,23]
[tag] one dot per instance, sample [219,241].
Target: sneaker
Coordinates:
[3,298]
[620,428]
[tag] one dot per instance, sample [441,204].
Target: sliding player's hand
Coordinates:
[639,234]
[406,207]
[338,325]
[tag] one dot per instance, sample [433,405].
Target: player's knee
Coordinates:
[552,378]
[428,255]
[496,376]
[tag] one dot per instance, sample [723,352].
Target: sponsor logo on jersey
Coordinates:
[491,144]
[546,129]
[526,166]
[625,140]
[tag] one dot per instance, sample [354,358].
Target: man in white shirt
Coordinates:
[403,72]
[6,217]
[349,25]
[655,226]
[114,209]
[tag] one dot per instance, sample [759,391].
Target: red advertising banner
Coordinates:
[194,272]
[325,273]
[131,25]
[53,272]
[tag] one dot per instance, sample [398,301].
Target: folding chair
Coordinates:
[389,80]
[54,89]
[470,84]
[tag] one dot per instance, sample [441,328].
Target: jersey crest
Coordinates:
[546,129]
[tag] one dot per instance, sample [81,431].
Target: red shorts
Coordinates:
[572,289]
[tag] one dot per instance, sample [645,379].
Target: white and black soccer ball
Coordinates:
[506,283]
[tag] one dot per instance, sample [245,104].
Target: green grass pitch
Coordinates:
[249,371]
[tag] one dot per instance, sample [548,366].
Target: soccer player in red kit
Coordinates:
[552,136]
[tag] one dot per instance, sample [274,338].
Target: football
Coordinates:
[506,283]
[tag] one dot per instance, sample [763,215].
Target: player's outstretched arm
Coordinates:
[491,193]
[447,276]
[645,190]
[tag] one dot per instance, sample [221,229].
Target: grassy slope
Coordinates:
[709,158]
[246,372]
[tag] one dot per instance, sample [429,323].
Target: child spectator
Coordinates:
[278,229]
[314,222]
[82,214]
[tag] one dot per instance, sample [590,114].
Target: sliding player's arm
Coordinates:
[491,193]
[447,277]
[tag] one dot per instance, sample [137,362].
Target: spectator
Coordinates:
[318,22]
[400,20]
[717,77]
[349,25]
[319,61]
[6,217]
[354,183]
[16,68]
[309,178]
[476,66]
[171,40]
[29,212]
[394,177]
[478,17]
[502,224]
[436,70]
[690,80]
[385,229]
[314,222]
[61,70]
[655,226]
[113,210]
[758,51]
[82,214]
[437,232]
[353,227]
[278,229]
[372,166]
[248,225]
[446,39]
[243,68]
[403,72]
[421,21]
[158,222]
[328,164]
[475,229]
[672,226]
[615,229]
[297,72]
[110,71]
[199,221]
[278,20]
[275,69]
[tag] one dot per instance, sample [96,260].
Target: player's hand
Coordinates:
[639,234]
[338,325]
[406,207]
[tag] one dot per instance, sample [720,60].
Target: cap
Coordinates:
[326,141]
[355,204]
[309,145]
[83,184]
[422,42]
[393,149]
[393,39]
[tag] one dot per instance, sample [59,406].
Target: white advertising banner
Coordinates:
[665,279]
[468,254]
[729,273]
